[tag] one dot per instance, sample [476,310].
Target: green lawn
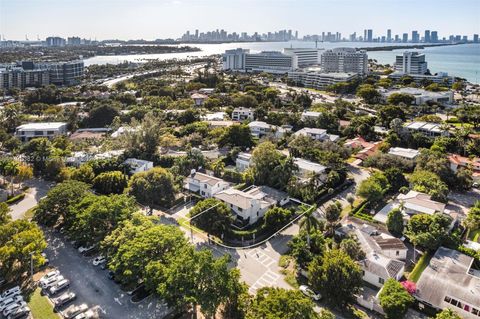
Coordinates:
[40,306]
[420,267]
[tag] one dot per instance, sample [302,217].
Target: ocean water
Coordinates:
[458,60]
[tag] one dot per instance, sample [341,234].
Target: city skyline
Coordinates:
[170,19]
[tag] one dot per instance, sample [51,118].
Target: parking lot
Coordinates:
[92,286]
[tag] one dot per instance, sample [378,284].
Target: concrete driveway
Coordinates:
[92,286]
[38,189]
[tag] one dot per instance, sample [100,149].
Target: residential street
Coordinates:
[38,189]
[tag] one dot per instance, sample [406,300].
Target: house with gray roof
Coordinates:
[450,281]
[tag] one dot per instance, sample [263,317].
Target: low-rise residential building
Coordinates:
[450,281]
[422,96]
[204,185]
[412,203]
[383,255]
[440,77]
[458,161]
[406,153]
[138,165]
[199,98]
[216,116]
[307,168]
[243,161]
[242,114]
[260,129]
[317,134]
[28,131]
[251,204]
[310,115]
[426,128]
[365,148]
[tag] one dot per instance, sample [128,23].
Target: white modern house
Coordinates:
[199,98]
[316,134]
[426,128]
[307,168]
[205,185]
[242,114]
[260,129]
[138,165]
[243,161]
[28,131]
[413,203]
[310,115]
[406,153]
[421,96]
[250,204]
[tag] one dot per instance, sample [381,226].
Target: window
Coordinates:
[239,209]
[447,299]
[398,253]
[381,280]
[203,193]
[204,185]
[475,311]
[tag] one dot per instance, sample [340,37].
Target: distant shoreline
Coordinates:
[413,46]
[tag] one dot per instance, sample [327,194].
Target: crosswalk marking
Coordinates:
[262,258]
[269,278]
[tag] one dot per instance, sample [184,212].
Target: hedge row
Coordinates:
[14,199]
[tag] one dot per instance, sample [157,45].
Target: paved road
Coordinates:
[38,189]
[91,285]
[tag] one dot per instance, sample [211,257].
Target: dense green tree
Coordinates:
[110,182]
[395,178]
[368,93]
[135,244]
[394,299]
[270,167]
[195,279]
[153,187]
[428,231]
[429,183]
[97,216]
[84,173]
[373,187]
[277,217]
[397,98]
[386,114]
[448,313]
[143,142]
[102,115]
[20,243]
[56,205]
[237,135]
[216,220]
[473,218]
[332,215]
[353,248]
[304,248]
[38,151]
[325,274]
[4,214]
[395,222]
[278,303]
[243,100]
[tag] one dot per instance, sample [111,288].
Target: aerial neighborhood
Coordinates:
[310,182]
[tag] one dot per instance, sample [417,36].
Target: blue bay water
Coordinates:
[458,60]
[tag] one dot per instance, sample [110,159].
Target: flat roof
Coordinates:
[41,126]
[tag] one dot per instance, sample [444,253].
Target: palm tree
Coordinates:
[12,170]
[309,222]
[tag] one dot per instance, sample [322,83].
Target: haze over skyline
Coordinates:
[150,19]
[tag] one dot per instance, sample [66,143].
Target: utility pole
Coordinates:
[31,265]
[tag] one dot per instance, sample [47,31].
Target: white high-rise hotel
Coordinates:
[345,60]
[267,61]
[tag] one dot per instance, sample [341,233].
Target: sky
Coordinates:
[154,19]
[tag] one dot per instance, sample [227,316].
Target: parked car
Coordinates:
[10,293]
[51,274]
[63,300]
[73,311]
[19,313]
[111,275]
[9,301]
[99,260]
[51,282]
[310,293]
[83,249]
[13,307]
[59,286]
[89,314]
